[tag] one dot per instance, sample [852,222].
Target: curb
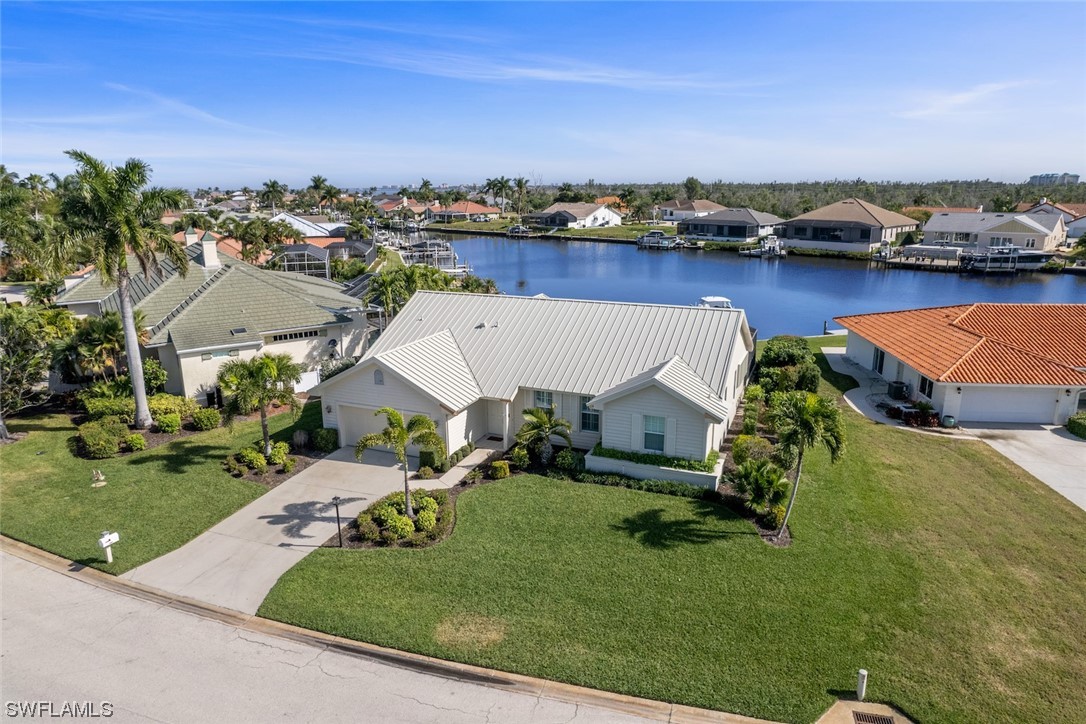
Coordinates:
[516,683]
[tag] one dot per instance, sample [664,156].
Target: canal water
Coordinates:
[787,296]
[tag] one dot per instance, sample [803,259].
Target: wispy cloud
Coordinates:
[12,68]
[179,107]
[938,106]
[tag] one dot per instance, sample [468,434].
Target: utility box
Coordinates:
[899,391]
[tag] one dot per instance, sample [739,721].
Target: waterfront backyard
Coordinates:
[950,574]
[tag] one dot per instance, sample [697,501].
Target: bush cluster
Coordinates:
[663,461]
[519,457]
[135,442]
[664,487]
[569,460]
[425,473]
[1076,425]
[787,363]
[749,447]
[386,521]
[164,404]
[325,439]
[99,407]
[289,464]
[253,459]
[169,423]
[206,418]
[279,453]
[499,470]
[101,439]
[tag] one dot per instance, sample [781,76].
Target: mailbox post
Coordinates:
[106,542]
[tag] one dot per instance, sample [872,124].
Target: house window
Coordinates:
[865,234]
[878,359]
[543,399]
[590,419]
[926,387]
[1031,243]
[378,377]
[654,433]
[296,335]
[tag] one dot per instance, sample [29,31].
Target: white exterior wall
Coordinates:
[200,376]
[567,405]
[357,389]
[1076,228]
[686,431]
[835,245]
[603,216]
[175,379]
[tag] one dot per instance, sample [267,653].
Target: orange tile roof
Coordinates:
[1075,210]
[987,344]
[944,209]
[466,207]
[226,244]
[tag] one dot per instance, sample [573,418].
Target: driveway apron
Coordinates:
[235,563]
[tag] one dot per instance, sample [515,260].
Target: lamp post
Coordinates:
[339,529]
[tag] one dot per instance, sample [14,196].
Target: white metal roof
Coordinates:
[434,365]
[676,377]
[568,345]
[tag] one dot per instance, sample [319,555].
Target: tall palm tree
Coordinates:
[540,425]
[329,194]
[255,383]
[520,185]
[317,184]
[424,277]
[425,193]
[420,430]
[505,188]
[115,212]
[273,193]
[39,191]
[805,420]
[387,289]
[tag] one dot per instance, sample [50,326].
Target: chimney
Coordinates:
[209,252]
[190,236]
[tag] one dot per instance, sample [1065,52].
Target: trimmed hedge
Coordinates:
[325,439]
[99,407]
[664,487]
[169,423]
[135,442]
[164,404]
[1076,425]
[279,453]
[707,465]
[206,418]
[101,439]
[750,447]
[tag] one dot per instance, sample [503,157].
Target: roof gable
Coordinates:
[857,211]
[435,366]
[677,379]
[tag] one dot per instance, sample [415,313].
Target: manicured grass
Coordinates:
[626,231]
[387,259]
[498,225]
[954,577]
[157,499]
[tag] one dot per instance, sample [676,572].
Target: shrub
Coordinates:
[474,475]
[464,451]
[753,393]
[326,439]
[569,460]
[749,447]
[762,483]
[499,469]
[253,459]
[442,466]
[279,453]
[426,520]
[154,376]
[454,458]
[232,466]
[169,423]
[774,517]
[750,418]
[99,407]
[441,497]
[1076,425]
[367,529]
[289,464]
[400,526]
[807,376]
[424,503]
[135,442]
[163,404]
[471,447]
[425,473]
[518,456]
[101,439]
[206,418]
[785,350]
[428,459]
[663,461]
[664,487]
[779,379]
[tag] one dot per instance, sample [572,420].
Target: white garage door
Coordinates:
[358,421]
[1007,405]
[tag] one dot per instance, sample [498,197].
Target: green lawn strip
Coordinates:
[157,499]
[953,576]
[626,231]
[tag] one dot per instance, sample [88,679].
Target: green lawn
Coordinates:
[626,231]
[497,225]
[954,577]
[157,499]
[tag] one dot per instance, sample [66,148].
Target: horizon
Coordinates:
[385,95]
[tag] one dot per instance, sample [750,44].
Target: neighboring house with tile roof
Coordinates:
[848,225]
[1073,215]
[316,225]
[575,216]
[1034,232]
[226,244]
[1022,363]
[636,377]
[676,210]
[225,308]
[460,211]
[731,225]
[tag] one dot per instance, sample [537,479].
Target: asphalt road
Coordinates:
[64,640]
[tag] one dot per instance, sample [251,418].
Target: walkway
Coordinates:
[235,563]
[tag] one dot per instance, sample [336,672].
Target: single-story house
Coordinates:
[676,210]
[1068,211]
[225,308]
[849,225]
[636,377]
[985,362]
[1037,232]
[575,216]
[731,225]
[461,211]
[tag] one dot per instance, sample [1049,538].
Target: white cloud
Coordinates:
[173,105]
[939,106]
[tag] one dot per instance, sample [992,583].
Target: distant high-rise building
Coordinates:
[1053,179]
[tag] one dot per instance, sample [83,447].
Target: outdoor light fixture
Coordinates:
[1067,392]
[328,409]
[335,502]
[959,390]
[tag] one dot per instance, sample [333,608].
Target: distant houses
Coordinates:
[1035,232]
[731,225]
[677,210]
[851,225]
[462,211]
[575,216]
[312,225]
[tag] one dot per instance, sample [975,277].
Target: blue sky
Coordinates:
[385,94]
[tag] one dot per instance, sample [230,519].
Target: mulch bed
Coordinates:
[275,475]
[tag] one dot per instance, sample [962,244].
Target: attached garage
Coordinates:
[1008,404]
[355,422]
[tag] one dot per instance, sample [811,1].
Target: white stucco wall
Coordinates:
[357,388]
[832,245]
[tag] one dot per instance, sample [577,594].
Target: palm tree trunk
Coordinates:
[132,351]
[408,510]
[264,430]
[792,499]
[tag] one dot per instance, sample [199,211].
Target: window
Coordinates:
[926,387]
[590,419]
[378,377]
[543,399]
[296,335]
[1031,243]
[865,234]
[654,433]
[877,360]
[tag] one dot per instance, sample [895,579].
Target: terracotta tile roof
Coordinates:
[1075,210]
[993,344]
[944,209]
[225,244]
[466,207]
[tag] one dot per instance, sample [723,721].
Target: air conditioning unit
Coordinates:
[899,391]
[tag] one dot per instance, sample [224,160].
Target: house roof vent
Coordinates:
[238,330]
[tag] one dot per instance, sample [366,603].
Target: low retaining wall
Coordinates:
[597,464]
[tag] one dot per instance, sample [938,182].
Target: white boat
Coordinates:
[715,302]
[768,248]
[657,239]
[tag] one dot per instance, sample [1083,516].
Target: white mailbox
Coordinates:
[106,541]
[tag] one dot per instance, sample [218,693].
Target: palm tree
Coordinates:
[422,276]
[539,426]
[387,289]
[39,191]
[118,216]
[520,184]
[805,420]
[763,483]
[505,188]
[273,193]
[420,430]
[329,194]
[425,193]
[254,384]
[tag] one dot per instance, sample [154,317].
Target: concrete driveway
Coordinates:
[235,563]
[1051,454]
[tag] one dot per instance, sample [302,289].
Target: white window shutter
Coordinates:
[637,430]
[669,437]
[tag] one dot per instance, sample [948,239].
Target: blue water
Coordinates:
[789,296]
